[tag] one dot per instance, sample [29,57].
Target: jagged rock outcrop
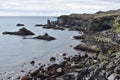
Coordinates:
[45,37]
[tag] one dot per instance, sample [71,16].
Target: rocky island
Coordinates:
[23,31]
[101,37]
[45,37]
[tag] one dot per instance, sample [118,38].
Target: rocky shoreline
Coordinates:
[100,38]
[77,67]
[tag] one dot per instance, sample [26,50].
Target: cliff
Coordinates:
[99,21]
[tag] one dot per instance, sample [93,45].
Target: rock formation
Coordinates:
[45,37]
[22,31]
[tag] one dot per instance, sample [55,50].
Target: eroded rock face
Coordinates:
[22,31]
[45,37]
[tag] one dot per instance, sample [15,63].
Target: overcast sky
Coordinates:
[54,7]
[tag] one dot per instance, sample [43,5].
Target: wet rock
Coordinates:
[32,62]
[54,27]
[23,31]
[35,73]
[20,24]
[22,71]
[45,37]
[39,63]
[48,27]
[52,59]
[64,54]
[79,37]
[39,25]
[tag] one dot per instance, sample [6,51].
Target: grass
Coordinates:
[117,29]
[83,16]
[106,14]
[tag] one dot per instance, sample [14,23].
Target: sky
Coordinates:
[54,7]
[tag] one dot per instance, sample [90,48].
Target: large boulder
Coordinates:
[45,37]
[82,47]
[23,31]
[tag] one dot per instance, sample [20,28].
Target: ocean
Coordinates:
[16,51]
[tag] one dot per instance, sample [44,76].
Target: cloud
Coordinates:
[54,7]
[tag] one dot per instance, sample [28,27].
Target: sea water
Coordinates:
[16,51]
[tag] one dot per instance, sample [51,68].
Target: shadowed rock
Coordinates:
[79,37]
[45,37]
[52,59]
[39,25]
[22,31]
[20,25]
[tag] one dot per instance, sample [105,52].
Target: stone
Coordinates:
[87,48]
[52,59]
[45,37]
[39,25]
[20,24]
[32,62]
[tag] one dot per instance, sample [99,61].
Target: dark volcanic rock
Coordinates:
[48,26]
[22,31]
[39,25]
[79,37]
[32,62]
[87,48]
[20,25]
[52,59]
[45,37]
